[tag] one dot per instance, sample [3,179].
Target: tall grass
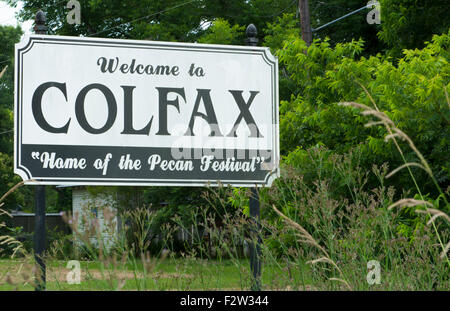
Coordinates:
[394,133]
[341,238]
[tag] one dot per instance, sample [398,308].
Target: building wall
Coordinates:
[95,217]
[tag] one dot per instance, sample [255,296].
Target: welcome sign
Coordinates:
[92,111]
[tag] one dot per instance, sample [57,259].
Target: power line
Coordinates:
[144,17]
[340,18]
[179,5]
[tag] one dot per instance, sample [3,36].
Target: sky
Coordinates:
[7,17]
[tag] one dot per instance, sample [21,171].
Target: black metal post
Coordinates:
[39,207]
[255,246]
[39,237]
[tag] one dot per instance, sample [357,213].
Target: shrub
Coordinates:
[413,94]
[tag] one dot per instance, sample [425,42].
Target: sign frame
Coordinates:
[29,41]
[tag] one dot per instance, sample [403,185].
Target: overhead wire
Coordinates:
[143,17]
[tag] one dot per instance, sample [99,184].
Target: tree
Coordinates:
[352,27]
[221,32]
[408,24]
[413,93]
[8,36]
[163,20]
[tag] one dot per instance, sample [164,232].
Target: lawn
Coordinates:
[169,274]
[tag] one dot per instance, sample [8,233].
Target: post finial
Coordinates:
[39,22]
[251,33]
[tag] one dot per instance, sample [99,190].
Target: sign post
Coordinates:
[255,247]
[39,207]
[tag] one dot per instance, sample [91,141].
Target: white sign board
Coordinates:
[92,111]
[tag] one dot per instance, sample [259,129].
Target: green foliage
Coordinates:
[411,93]
[239,199]
[220,32]
[8,36]
[311,117]
[284,28]
[163,20]
[55,239]
[409,24]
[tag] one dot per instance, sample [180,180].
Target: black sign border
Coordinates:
[120,43]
